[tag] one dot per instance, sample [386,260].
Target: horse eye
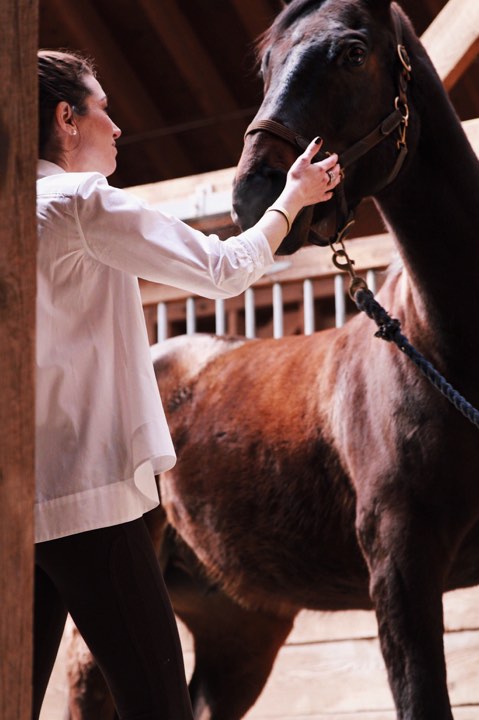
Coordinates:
[356,55]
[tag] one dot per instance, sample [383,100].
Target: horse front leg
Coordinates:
[406,567]
[235,648]
[234,654]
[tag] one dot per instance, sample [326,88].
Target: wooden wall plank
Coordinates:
[331,663]
[461,612]
[18,103]
[350,677]
[331,667]
[459,714]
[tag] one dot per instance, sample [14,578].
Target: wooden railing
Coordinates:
[296,295]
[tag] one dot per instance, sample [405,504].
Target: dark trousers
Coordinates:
[109,580]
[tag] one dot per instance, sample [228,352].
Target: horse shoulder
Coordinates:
[178,361]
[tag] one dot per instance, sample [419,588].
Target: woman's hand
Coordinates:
[307,183]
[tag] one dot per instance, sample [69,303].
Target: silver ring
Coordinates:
[330,175]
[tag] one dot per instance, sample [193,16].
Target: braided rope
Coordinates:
[390,330]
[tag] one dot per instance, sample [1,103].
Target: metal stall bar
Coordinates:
[339,300]
[308,305]
[162,321]
[220,317]
[190,316]
[250,319]
[278,328]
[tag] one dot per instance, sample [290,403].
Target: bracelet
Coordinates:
[284,213]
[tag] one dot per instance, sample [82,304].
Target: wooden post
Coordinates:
[18,148]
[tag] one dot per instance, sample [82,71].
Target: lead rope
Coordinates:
[390,330]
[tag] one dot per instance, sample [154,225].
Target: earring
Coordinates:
[74,132]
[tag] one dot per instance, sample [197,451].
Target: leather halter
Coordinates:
[396,120]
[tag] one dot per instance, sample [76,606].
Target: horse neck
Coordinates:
[433,211]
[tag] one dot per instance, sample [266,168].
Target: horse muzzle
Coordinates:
[255,191]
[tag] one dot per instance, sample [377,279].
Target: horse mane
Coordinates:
[429,94]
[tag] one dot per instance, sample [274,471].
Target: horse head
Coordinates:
[338,69]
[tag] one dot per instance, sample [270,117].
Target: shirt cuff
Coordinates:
[257,246]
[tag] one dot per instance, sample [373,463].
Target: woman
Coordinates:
[101,432]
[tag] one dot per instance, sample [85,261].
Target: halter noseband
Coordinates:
[396,120]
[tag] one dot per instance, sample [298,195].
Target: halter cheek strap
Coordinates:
[396,120]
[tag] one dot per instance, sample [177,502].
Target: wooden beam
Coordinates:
[196,196]
[196,67]
[18,151]
[87,31]
[452,39]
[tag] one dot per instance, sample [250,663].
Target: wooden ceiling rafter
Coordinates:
[195,65]
[82,23]
[452,39]
[180,74]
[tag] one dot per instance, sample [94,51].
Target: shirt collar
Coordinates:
[45,167]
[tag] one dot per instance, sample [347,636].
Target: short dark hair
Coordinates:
[61,77]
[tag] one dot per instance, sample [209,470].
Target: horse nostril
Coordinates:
[254,192]
[244,214]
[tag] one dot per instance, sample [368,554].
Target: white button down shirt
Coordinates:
[101,433]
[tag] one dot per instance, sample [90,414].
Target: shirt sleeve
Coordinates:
[125,233]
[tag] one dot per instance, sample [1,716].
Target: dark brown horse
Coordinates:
[324,472]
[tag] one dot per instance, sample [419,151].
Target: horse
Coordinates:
[324,471]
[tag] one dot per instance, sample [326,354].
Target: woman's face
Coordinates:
[95,149]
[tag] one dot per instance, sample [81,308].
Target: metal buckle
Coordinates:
[404,58]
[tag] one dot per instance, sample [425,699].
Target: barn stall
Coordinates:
[324,654]
[331,664]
